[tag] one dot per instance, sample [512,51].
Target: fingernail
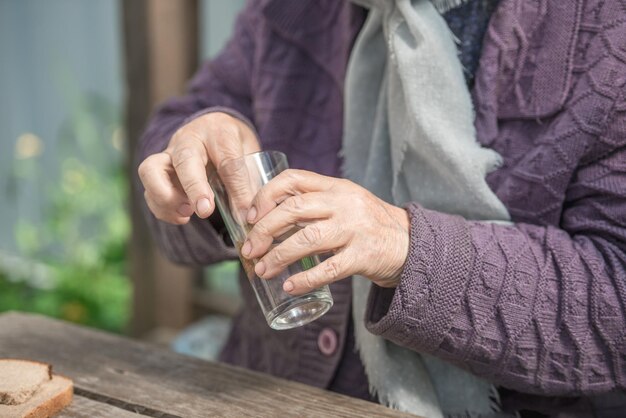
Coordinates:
[259,269]
[251,214]
[247,247]
[287,286]
[185,209]
[203,206]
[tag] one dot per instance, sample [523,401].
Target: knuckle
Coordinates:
[291,175]
[295,203]
[228,129]
[279,256]
[221,127]
[340,184]
[190,185]
[336,231]
[332,269]
[190,131]
[259,230]
[312,234]
[260,198]
[148,165]
[238,179]
[143,169]
[360,201]
[308,280]
[183,155]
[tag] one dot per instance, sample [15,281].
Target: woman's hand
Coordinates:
[175,180]
[368,236]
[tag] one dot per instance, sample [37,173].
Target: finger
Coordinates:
[165,215]
[316,238]
[294,211]
[240,184]
[227,139]
[189,159]
[224,138]
[160,182]
[288,183]
[329,271]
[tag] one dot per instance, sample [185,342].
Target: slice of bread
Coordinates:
[51,397]
[18,377]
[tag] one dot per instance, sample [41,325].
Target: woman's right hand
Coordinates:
[175,180]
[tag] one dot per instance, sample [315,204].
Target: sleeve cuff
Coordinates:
[419,311]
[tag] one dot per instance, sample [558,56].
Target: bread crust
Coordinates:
[55,404]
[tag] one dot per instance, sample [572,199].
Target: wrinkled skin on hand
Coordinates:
[366,235]
[175,180]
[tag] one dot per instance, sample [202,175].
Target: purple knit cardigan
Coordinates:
[540,306]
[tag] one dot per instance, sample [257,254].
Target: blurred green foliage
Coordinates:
[223,278]
[80,240]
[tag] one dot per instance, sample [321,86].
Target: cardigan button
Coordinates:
[327,342]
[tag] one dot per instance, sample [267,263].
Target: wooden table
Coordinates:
[121,378]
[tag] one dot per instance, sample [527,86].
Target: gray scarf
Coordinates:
[409,137]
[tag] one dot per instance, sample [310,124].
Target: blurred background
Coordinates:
[78,80]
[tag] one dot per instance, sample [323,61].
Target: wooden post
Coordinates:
[161,53]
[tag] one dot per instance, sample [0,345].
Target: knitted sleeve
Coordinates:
[539,309]
[222,84]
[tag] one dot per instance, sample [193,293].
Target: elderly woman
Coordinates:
[535,306]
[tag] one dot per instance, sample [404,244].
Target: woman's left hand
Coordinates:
[368,236]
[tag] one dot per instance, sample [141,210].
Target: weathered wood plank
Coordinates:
[160,51]
[83,407]
[141,374]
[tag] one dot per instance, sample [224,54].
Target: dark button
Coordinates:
[327,342]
